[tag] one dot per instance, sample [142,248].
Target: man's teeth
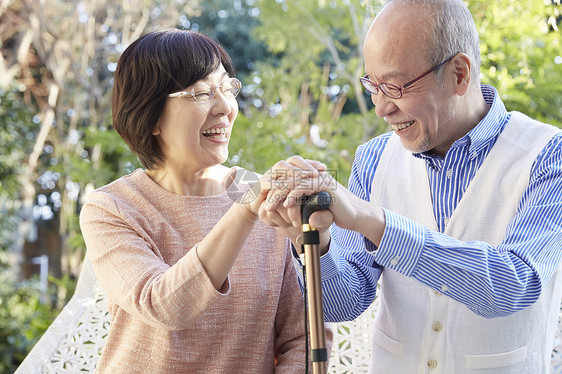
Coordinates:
[401,126]
[216,131]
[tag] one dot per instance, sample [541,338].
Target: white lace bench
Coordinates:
[73,342]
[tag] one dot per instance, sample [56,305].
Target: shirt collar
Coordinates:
[487,129]
[491,125]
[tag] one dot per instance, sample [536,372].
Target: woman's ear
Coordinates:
[156,130]
[461,68]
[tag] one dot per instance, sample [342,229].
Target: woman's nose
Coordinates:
[220,104]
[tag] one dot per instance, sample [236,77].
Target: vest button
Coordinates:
[432,364]
[437,326]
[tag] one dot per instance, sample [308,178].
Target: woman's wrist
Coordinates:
[248,214]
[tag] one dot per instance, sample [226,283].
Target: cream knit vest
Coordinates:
[419,330]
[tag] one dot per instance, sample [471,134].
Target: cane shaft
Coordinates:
[311,244]
[315,310]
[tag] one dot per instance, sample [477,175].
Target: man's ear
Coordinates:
[461,68]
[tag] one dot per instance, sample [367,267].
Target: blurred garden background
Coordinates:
[299,62]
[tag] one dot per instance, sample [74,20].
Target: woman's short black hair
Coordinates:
[152,67]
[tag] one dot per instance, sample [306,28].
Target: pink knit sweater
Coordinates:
[166,316]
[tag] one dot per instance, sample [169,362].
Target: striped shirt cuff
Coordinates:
[401,245]
[329,263]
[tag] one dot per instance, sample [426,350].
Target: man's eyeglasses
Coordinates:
[395,91]
[203,92]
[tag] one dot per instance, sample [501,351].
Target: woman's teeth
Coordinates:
[216,131]
[401,126]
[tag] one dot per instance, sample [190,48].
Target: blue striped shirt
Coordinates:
[505,278]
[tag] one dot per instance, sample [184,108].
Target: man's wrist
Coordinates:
[371,224]
[325,239]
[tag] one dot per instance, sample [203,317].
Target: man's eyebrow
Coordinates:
[386,78]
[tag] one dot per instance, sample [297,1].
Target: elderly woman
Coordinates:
[196,283]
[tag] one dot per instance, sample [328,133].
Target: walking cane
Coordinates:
[311,263]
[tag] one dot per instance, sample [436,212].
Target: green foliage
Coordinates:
[298,28]
[231,24]
[116,158]
[258,142]
[17,132]
[306,98]
[64,287]
[298,98]
[23,319]
[521,54]
[8,224]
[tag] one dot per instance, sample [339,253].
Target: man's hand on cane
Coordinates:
[307,177]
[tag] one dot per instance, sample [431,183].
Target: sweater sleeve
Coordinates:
[135,277]
[289,323]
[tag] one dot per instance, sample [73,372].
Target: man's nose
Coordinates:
[384,105]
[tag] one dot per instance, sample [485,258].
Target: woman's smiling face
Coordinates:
[195,134]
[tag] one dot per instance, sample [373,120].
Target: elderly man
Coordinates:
[463,228]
